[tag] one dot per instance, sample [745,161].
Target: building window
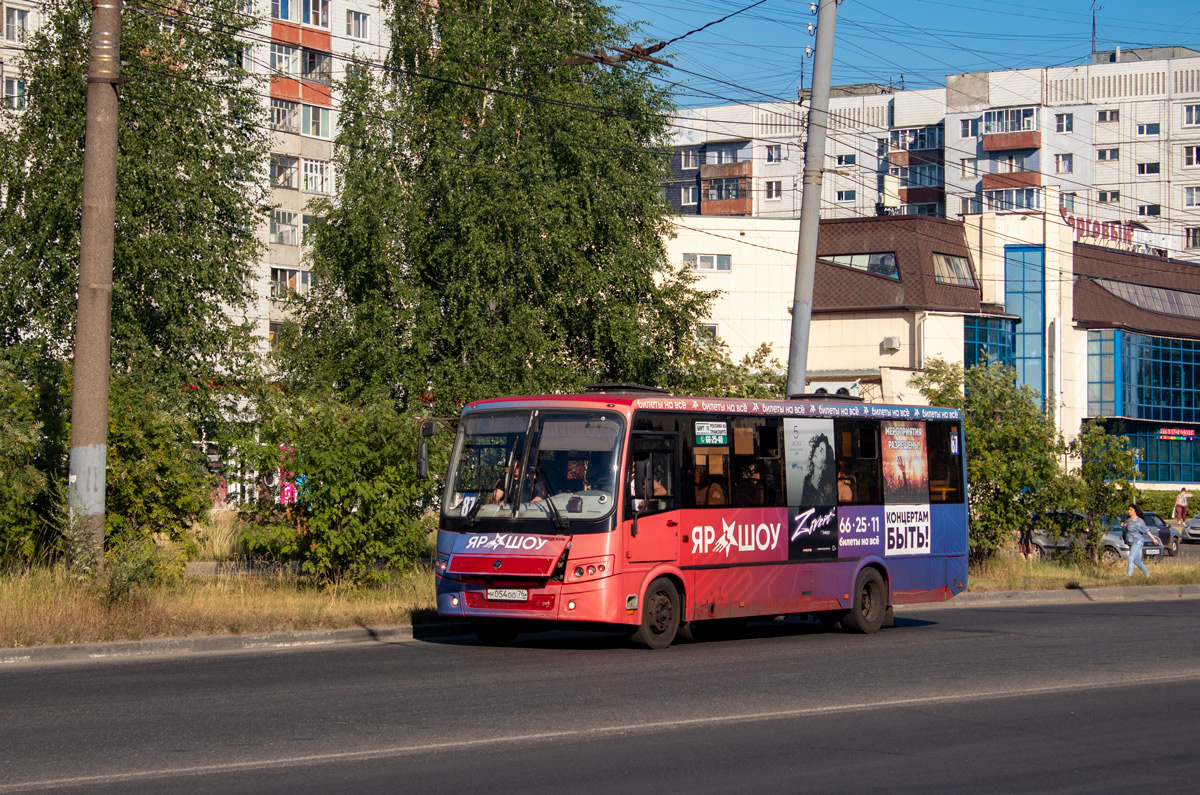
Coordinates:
[1147,168]
[1191,115]
[949,269]
[970,128]
[1064,122]
[1064,164]
[989,340]
[722,154]
[1009,164]
[881,264]
[774,153]
[1067,201]
[285,116]
[917,138]
[922,175]
[846,195]
[687,159]
[315,13]
[274,330]
[286,282]
[1191,197]
[284,171]
[309,225]
[16,25]
[1108,115]
[285,60]
[971,205]
[1012,199]
[1191,156]
[774,190]
[1191,237]
[1148,129]
[318,66]
[1110,196]
[317,177]
[283,228]
[722,189]
[1149,209]
[689,195]
[1025,297]
[314,121]
[1108,154]
[14,93]
[1009,120]
[707,262]
[970,167]
[846,160]
[358,25]
[706,334]
[285,10]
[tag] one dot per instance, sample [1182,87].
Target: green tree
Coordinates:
[1012,448]
[189,190]
[501,215]
[1106,474]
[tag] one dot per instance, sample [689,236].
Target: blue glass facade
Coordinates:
[1025,297]
[1153,383]
[989,340]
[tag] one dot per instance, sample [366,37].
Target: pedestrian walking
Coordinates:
[1181,501]
[1136,535]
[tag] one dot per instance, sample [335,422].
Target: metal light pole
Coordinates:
[810,202]
[93,322]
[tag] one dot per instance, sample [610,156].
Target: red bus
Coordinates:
[630,506]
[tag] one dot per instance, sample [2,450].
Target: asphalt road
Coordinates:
[1065,698]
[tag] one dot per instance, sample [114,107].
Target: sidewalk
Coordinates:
[452,628]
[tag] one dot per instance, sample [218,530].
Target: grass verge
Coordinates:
[1014,574]
[48,607]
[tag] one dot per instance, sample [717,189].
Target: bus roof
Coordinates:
[820,409]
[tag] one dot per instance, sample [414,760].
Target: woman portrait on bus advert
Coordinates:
[820,477]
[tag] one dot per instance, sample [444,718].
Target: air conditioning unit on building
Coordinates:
[891,343]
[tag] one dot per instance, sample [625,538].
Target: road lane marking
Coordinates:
[575,734]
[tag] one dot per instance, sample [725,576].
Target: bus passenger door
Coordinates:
[651,505]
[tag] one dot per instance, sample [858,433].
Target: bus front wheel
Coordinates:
[660,615]
[870,603]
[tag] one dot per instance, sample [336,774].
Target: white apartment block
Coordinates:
[18,20]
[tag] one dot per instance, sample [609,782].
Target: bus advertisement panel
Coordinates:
[660,513]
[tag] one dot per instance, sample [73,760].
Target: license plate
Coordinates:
[507,595]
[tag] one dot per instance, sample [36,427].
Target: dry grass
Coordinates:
[217,537]
[1014,574]
[48,607]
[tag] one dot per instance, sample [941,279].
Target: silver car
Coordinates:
[1046,543]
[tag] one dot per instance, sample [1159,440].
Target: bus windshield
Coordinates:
[546,466]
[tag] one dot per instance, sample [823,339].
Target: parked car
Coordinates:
[1191,529]
[1169,536]
[1057,532]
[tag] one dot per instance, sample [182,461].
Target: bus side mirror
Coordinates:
[428,428]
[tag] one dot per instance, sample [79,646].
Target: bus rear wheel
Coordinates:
[660,615]
[870,603]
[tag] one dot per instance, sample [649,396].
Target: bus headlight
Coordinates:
[440,564]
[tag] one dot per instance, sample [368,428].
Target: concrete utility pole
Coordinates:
[810,202]
[93,322]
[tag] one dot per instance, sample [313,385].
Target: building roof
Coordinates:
[914,239]
[1121,289]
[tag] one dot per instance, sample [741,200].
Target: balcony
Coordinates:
[726,170]
[1015,179]
[999,142]
[923,195]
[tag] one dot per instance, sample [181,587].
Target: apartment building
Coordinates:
[304,46]
[883,156]
[18,20]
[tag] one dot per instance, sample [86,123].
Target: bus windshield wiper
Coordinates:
[560,521]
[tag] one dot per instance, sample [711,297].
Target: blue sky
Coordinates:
[756,55]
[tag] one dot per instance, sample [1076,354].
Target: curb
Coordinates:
[1112,593]
[450,628]
[222,643]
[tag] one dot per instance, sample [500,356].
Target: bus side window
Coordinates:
[755,469]
[945,462]
[651,475]
[859,470]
